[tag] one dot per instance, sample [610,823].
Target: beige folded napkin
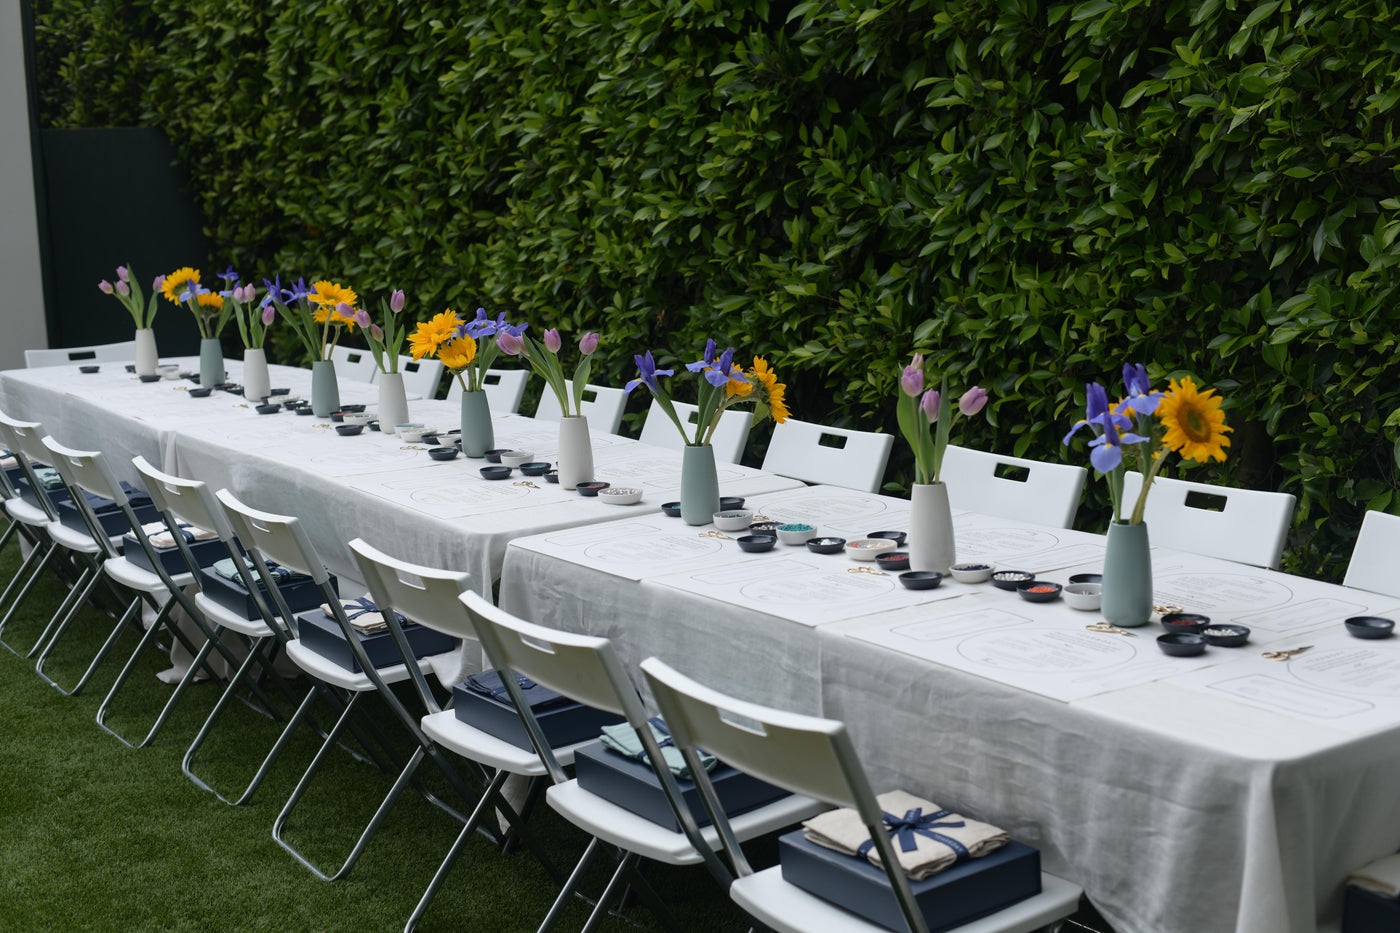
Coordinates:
[161,537]
[363,614]
[1380,877]
[926,838]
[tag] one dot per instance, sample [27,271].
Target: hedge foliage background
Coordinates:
[1029,192]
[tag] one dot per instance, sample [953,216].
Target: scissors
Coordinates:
[526,482]
[715,534]
[870,570]
[1284,655]
[1110,629]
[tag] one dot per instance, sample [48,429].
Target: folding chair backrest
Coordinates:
[353,364]
[1032,490]
[424,594]
[583,667]
[188,500]
[1375,560]
[278,537]
[504,389]
[100,353]
[87,470]
[420,377]
[728,441]
[24,439]
[1244,525]
[804,754]
[602,406]
[816,453]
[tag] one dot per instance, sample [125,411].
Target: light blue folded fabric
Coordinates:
[622,738]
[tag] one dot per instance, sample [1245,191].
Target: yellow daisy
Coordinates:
[458,353]
[1195,424]
[772,388]
[433,333]
[331,294]
[176,282]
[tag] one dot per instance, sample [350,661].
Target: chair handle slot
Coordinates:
[1012,472]
[1205,501]
[834,441]
[543,647]
[742,723]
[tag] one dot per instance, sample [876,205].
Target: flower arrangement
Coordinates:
[128,292]
[462,346]
[386,342]
[722,386]
[1146,425]
[211,311]
[543,357]
[252,322]
[318,314]
[919,409]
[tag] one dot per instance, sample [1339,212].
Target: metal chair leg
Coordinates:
[47,555]
[601,908]
[570,886]
[129,618]
[484,806]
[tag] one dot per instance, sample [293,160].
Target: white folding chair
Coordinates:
[429,596]
[31,514]
[122,352]
[1375,559]
[587,669]
[602,406]
[1244,525]
[504,389]
[283,539]
[353,364]
[815,757]
[420,377]
[728,441]
[816,453]
[1030,490]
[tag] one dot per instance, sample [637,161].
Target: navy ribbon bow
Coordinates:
[363,606]
[917,823]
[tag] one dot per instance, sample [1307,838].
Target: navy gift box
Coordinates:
[632,785]
[203,552]
[564,723]
[300,593]
[970,889]
[1368,912]
[323,635]
[110,517]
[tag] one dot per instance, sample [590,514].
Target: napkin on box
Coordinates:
[1380,877]
[161,537]
[364,615]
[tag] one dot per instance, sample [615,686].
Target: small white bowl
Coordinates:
[1085,596]
[358,417]
[797,533]
[617,495]
[513,458]
[414,435]
[733,520]
[868,548]
[972,572]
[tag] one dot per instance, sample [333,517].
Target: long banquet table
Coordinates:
[1227,792]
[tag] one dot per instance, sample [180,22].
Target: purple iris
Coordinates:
[1141,399]
[717,371]
[229,276]
[647,373]
[274,290]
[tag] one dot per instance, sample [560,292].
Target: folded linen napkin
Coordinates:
[160,536]
[926,838]
[622,738]
[1380,877]
[226,569]
[49,477]
[7,460]
[540,697]
[364,615]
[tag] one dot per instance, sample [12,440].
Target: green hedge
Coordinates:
[1029,192]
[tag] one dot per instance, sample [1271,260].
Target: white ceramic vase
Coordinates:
[393,402]
[257,384]
[575,452]
[146,358]
[931,542]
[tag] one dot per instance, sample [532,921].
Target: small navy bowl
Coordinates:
[153,377]
[921,579]
[591,489]
[349,430]
[305,410]
[1370,627]
[200,392]
[765,528]
[731,503]
[131,368]
[535,468]
[1050,591]
[442,453]
[494,455]
[826,545]
[1181,644]
[1010,579]
[279,391]
[672,509]
[1191,622]
[895,560]
[551,476]
[495,472]
[1235,635]
[898,537]
[373,425]
[271,408]
[429,438]
[757,543]
[1086,578]
[352,408]
[89,369]
[338,416]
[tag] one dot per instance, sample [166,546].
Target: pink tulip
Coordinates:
[105,286]
[123,289]
[158,284]
[972,401]
[376,332]
[269,314]
[509,344]
[123,274]
[396,301]
[362,317]
[912,382]
[588,344]
[552,343]
[929,405]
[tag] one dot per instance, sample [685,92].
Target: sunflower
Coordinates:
[772,388]
[176,282]
[1195,424]
[332,294]
[431,334]
[336,317]
[210,300]
[457,353]
[738,384]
